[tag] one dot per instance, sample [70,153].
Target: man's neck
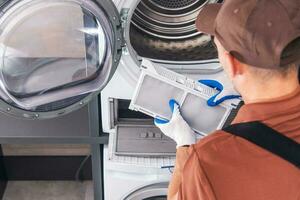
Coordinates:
[272,89]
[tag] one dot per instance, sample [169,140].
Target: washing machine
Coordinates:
[57,55]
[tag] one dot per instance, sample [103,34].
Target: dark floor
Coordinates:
[48,190]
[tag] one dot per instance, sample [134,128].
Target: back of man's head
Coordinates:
[258,44]
[284,70]
[257,84]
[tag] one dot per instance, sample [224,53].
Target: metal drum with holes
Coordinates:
[165,29]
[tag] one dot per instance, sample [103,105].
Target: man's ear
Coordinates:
[235,67]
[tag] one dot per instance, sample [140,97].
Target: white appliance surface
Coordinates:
[125,174]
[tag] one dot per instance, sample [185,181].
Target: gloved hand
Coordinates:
[222,95]
[177,128]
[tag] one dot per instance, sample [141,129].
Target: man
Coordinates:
[258,42]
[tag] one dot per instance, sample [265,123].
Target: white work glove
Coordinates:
[177,128]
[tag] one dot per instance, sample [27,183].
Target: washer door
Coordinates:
[56,54]
[156,191]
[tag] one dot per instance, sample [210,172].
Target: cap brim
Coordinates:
[205,21]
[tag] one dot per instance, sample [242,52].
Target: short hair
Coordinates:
[291,53]
[299,73]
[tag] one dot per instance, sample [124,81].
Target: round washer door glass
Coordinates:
[53,50]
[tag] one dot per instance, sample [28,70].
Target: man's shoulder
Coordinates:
[214,143]
[216,138]
[221,146]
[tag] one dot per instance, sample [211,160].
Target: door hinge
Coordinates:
[124,16]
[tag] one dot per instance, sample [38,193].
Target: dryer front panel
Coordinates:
[56,53]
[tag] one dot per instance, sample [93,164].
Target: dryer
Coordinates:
[162,31]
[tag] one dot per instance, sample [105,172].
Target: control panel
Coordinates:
[143,140]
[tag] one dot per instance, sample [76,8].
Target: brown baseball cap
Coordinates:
[254,31]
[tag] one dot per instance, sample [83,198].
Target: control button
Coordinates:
[158,135]
[144,135]
[151,135]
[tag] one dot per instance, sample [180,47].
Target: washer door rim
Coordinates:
[153,190]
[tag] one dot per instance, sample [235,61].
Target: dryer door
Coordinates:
[55,55]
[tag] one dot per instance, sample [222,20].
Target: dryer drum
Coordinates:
[174,4]
[165,30]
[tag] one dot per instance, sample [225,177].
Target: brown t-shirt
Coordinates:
[226,167]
